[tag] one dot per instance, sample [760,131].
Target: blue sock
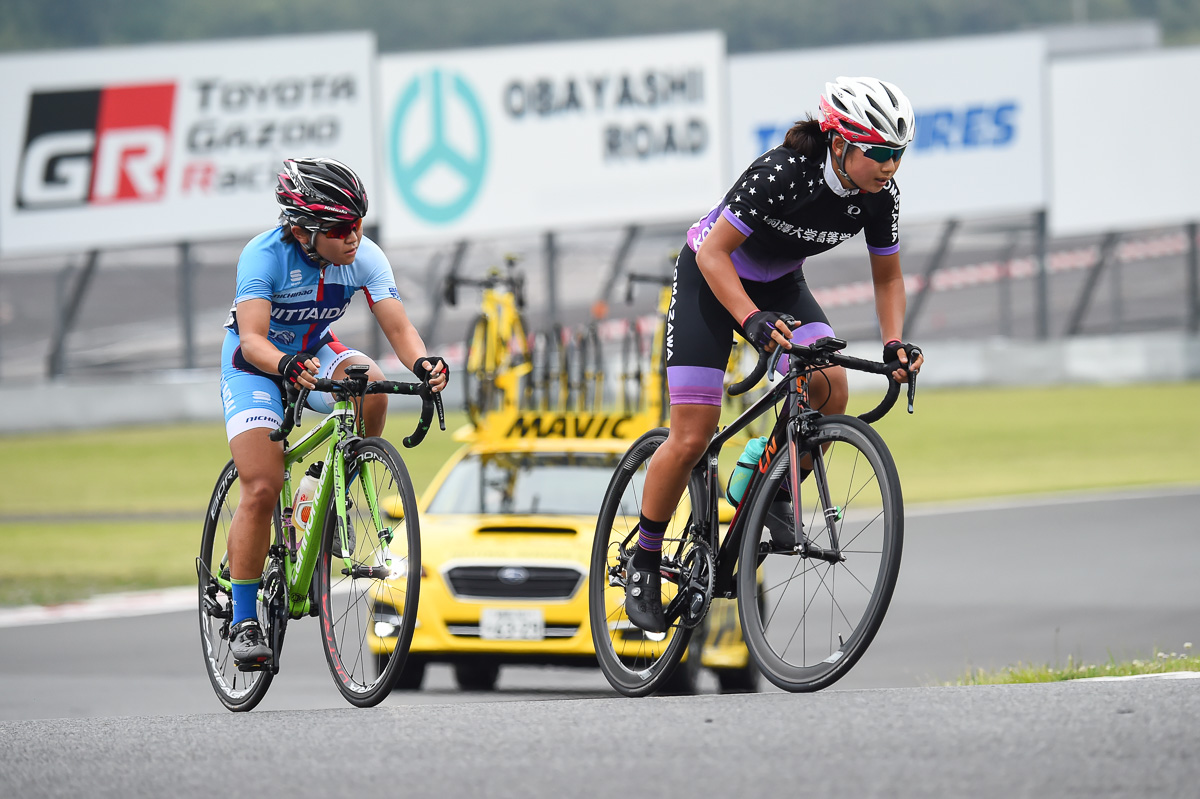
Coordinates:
[245,600]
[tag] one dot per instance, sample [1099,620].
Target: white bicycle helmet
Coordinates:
[867,111]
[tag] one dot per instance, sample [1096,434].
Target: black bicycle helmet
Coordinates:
[318,193]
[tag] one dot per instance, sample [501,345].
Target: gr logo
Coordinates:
[439,146]
[96,146]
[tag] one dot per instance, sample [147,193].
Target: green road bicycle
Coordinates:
[336,558]
[812,552]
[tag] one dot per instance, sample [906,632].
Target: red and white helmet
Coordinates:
[317,193]
[867,111]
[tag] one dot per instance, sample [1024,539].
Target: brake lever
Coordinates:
[912,378]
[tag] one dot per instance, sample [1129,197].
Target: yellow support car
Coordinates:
[506,538]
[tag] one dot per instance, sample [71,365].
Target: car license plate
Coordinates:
[512,625]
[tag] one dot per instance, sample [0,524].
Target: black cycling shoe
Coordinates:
[249,648]
[781,526]
[643,598]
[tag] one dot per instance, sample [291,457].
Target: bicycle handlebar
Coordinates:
[357,385]
[824,352]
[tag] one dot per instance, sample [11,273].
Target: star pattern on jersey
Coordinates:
[752,191]
[792,185]
[767,160]
[810,184]
[753,212]
[791,160]
[737,213]
[781,196]
[737,198]
[771,178]
[803,158]
[754,177]
[778,167]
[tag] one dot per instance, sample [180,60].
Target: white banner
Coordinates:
[978,101]
[142,145]
[536,137]
[1141,108]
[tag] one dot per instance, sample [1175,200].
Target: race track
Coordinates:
[984,585]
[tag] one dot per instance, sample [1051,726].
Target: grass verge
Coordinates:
[1160,663]
[60,537]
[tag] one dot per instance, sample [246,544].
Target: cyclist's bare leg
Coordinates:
[375,406]
[692,427]
[259,463]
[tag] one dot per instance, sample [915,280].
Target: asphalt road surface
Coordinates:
[122,706]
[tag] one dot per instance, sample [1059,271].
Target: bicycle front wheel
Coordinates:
[368,575]
[635,662]
[810,611]
[476,375]
[237,690]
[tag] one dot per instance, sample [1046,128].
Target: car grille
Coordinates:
[514,582]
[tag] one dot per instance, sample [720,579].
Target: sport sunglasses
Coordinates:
[880,154]
[342,230]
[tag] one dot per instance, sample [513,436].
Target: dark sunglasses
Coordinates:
[880,154]
[341,231]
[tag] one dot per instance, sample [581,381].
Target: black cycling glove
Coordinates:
[759,326]
[292,366]
[892,349]
[422,373]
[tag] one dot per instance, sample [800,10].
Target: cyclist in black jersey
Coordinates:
[741,269]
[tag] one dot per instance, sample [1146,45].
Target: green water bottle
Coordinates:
[746,463]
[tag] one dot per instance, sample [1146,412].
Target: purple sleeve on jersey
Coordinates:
[892,250]
[741,226]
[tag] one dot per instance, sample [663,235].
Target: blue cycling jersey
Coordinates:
[305,300]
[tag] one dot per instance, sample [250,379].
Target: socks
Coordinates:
[245,600]
[648,553]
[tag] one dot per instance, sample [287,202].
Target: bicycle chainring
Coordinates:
[696,575]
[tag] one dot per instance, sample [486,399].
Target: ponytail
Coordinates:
[806,138]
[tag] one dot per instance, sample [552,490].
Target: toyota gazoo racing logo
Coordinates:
[96,146]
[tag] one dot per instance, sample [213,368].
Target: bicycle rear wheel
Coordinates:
[237,690]
[635,662]
[808,620]
[368,609]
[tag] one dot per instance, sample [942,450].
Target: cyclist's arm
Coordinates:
[254,323]
[716,264]
[403,336]
[890,303]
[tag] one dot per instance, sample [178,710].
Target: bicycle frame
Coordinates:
[300,562]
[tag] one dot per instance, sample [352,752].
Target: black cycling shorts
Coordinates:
[700,330]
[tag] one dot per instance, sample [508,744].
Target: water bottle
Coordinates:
[302,503]
[746,464]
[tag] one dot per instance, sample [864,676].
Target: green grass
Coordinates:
[1159,663]
[960,444]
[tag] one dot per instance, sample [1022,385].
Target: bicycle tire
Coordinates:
[637,664]
[364,615]
[476,378]
[858,471]
[238,691]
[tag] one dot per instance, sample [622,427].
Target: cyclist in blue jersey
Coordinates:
[293,282]
[741,269]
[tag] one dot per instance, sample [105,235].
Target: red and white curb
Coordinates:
[106,606]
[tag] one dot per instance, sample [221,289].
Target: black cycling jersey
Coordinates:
[791,206]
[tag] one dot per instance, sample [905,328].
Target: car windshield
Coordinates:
[568,483]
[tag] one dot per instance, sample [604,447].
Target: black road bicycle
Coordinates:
[820,526]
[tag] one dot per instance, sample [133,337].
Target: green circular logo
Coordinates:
[413,177]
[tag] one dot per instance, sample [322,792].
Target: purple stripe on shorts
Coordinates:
[731,217]
[804,336]
[895,248]
[695,385]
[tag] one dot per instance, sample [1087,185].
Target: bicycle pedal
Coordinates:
[262,666]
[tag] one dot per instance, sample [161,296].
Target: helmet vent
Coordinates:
[892,97]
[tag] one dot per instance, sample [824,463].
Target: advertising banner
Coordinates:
[978,102]
[1141,104]
[546,136]
[145,145]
